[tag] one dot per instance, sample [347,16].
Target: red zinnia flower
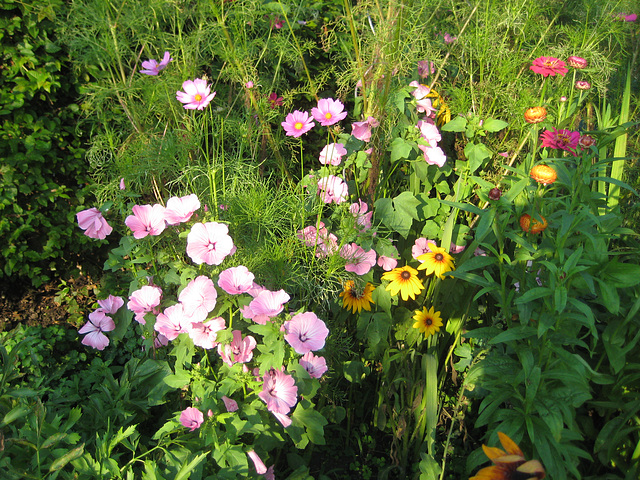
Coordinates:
[549,66]
[560,139]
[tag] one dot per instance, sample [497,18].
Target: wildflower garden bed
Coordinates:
[335,239]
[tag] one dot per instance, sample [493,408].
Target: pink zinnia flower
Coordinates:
[433,155]
[387,263]
[199,298]
[152,67]
[549,66]
[560,139]
[93,223]
[204,334]
[329,111]
[332,154]
[98,323]
[111,304]
[236,280]
[422,246]
[297,123]
[172,321]
[315,366]
[358,261]
[362,130]
[143,301]
[332,189]
[257,462]
[180,209]
[265,305]
[279,391]
[209,243]
[577,62]
[197,94]
[239,351]
[306,333]
[146,220]
[230,404]
[191,418]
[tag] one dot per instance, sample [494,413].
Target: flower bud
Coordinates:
[531,225]
[495,194]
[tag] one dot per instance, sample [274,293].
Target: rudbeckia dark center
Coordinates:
[355,294]
[439,257]
[428,322]
[405,275]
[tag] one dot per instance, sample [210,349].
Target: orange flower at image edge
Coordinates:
[509,464]
[543,174]
[531,225]
[535,114]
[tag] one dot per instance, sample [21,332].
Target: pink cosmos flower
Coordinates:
[577,62]
[425,68]
[422,246]
[257,462]
[93,223]
[274,100]
[297,123]
[146,220]
[387,263]
[152,67]
[143,301]
[249,84]
[236,280]
[306,333]
[172,321]
[360,211]
[197,94]
[332,154]
[98,323]
[478,252]
[122,185]
[359,261]
[199,298]
[328,111]
[560,139]
[362,130]
[327,246]
[332,189]
[111,304]
[429,132]
[315,366]
[191,418]
[265,305]
[627,18]
[549,66]
[279,391]
[240,350]
[209,243]
[433,155]
[449,38]
[180,209]
[204,334]
[230,404]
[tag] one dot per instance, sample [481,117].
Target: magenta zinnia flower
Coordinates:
[332,154]
[209,243]
[306,332]
[358,261]
[279,391]
[549,66]
[197,94]
[560,139]
[98,323]
[315,366]
[152,67]
[93,223]
[191,418]
[329,111]
[180,209]
[143,301]
[297,123]
[332,189]
[146,220]
[240,350]
[236,280]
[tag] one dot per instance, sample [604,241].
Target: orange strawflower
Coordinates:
[535,114]
[531,225]
[509,464]
[544,174]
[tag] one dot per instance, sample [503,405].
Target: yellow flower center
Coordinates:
[328,115]
[298,126]
[197,97]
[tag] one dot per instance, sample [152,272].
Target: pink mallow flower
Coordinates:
[433,155]
[152,67]
[204,334]
[362,130]
[230,404]
[265,305]
[306,333]
[279,391]
[180,209]
[297,123]
[197,94]
[111,304]
[93,223]
[332,189]
[328,111]
[315,366]
[146,220]
[172,321]
[358,260]
[98,323]
[191,418]
[209,243]
[143,301]
[239,351]
[422,246]
[425,67]
[429,132]
[387,263]
[332,154]
[236,280]
[261,468]
[199,298]
[363,216]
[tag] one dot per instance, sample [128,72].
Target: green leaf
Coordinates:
[493,125]
[187,468]
[476,154]
[458,124]
[533,294]
[400,149]
[312,421]
[514,333]
[622,275]
[60,462]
